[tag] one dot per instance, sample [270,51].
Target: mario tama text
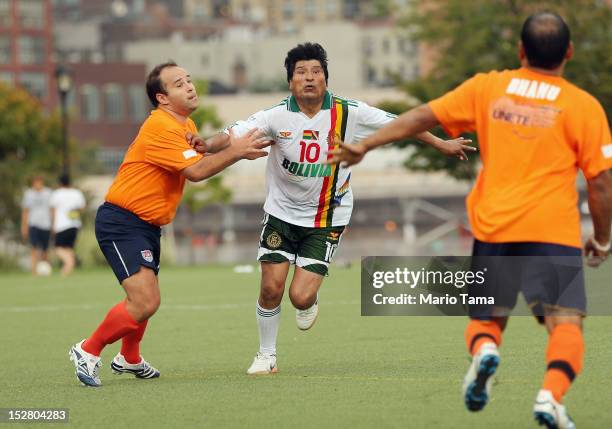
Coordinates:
[421,286]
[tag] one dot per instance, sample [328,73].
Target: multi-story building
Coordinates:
[26,47]
[107,106]
[360,55]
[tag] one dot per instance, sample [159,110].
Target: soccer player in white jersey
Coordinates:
[308,202]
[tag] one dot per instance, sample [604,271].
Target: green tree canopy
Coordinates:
[468,37]
[30,143]
[205,115]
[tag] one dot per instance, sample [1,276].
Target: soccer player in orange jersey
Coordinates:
[144,197]
[535,131]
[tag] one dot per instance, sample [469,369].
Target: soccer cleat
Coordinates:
[141,370]
[86,365]
[548,412]
[479,378]
[306,318]
[263,364]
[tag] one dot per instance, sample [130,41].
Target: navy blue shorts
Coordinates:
[66,238]
[39,238]
[550,277]
[127,241]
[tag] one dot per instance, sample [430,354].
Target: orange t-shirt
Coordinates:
[149,182]
[535,131]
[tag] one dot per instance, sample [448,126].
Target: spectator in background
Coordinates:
[67,203]
[36,220]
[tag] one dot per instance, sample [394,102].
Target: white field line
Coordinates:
[171,307]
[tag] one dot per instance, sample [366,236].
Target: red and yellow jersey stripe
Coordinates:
[325,210]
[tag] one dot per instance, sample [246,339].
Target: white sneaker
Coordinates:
[306,318]
[479,378]
[263,364]
[548,412]
[141,370]
[86,365]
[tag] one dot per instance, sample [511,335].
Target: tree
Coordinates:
[30,143]
[205,116]
[468,37]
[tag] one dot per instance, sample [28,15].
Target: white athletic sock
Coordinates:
[268,322]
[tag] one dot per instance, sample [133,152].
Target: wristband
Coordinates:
[601,247]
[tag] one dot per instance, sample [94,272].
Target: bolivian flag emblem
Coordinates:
[310,135]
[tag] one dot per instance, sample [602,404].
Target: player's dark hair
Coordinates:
[154,83]
[304,52]
[64,180]
[35,178]
[546,38]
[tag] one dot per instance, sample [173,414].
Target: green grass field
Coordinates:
[348,371]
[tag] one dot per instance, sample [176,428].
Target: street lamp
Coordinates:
[63,78]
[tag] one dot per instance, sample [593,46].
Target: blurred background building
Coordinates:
[238,47]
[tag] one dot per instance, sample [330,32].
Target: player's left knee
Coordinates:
[302,299]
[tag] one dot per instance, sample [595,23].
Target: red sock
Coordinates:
[130,344]
[115,325]
[564,356]
[479,332]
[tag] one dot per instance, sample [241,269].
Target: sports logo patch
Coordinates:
[333,236]
[190,153]
[274,240]
[147,255]
[284,134]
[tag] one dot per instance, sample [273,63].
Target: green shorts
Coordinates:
[309,248]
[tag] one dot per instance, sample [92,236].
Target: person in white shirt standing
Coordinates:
[36,220]
[67,203]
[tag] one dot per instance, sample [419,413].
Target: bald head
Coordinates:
[546,38]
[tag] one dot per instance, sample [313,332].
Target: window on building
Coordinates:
[111,159]
[386,45]
[199,11]
[113,103]
[310,9]
[35,83]
[288,9]
[246,12]
[370,75]
[406,47]
[31,13]
[90,103]
[331,8]
[31,50]
[205,60]
[5,13]
[137,103]
[368,46]
[6,77]
[5,50]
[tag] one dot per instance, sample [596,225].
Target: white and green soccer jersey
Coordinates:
[301,189]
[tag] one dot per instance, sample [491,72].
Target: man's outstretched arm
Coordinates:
[213,144]
[410,123]
[250,146]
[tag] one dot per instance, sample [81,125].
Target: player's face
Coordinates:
[308,81]
[38,184]
[180,94]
